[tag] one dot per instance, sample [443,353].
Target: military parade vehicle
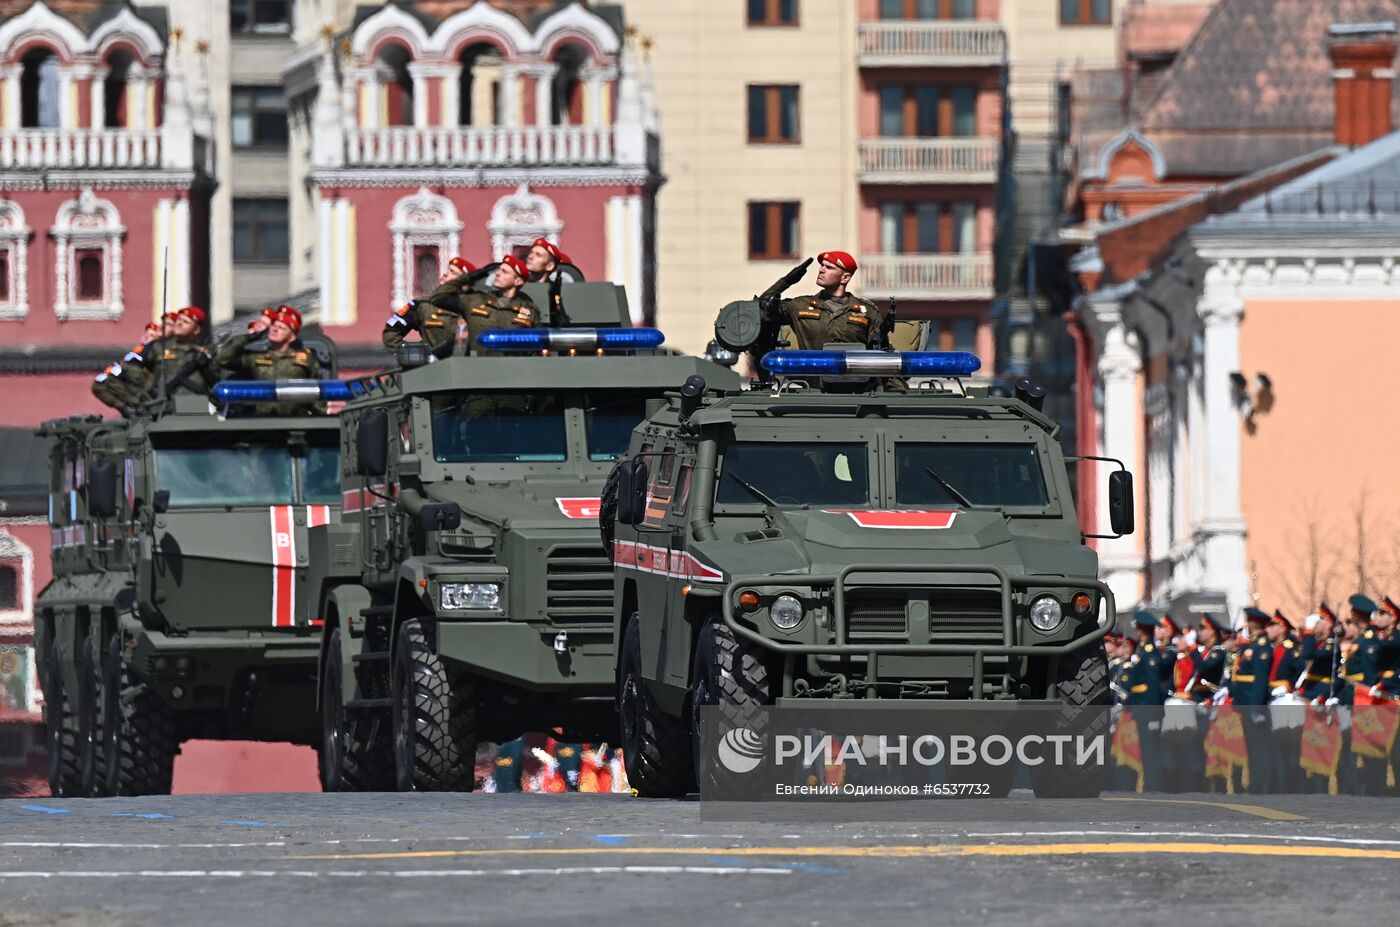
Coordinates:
[176,609]
[865,527]
[465,597]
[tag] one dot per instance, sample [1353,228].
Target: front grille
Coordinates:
[579,586]
[877,619]
[964,615]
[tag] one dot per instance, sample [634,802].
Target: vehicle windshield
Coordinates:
[609,417]
[248,474]
[795,474]
[499,427]
[1001,475]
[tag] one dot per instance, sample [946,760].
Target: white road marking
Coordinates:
[1362,841]
[396,873]
[54,845]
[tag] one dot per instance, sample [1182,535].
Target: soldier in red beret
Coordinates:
[505,306]
[283,358]
[181,361]
[544,259]
[833,314]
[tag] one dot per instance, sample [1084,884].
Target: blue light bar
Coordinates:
[237,391]
[571,339]
[871,363]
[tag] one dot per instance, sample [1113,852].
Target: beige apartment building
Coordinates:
[925,136]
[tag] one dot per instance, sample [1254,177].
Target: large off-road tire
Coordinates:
[61,729]
[732,675]
[98,704]
[1081,683]
[656,747]
[607,508]
[434,709]
[143,738]
[355,754]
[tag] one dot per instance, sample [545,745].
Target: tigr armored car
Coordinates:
[830,538]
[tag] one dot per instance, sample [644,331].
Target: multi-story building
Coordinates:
[873,127]
[465,128]
[105,186]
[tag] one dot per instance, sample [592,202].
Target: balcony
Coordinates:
[38,149]
[929,160]
[926,276]
[931,44]
[413,146]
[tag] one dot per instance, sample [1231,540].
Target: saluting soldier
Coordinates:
[435,323]
[123,384]
[181,361]
[286,358]
[833,315]
[504,307]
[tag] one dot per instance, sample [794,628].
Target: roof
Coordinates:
[529,12]
[1251,89]
[24,472]
[1259,64]
[1153,31]
[87,15]
[1361,187]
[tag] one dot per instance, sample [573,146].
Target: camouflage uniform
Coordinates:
[816,321]
[297,362]
[124,383]
[165,358]
[483,311]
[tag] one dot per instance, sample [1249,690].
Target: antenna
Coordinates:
[164,310]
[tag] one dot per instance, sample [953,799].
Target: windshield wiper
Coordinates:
[958,497]
[754,491]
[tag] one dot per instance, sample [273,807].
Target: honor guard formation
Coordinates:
[1276,707]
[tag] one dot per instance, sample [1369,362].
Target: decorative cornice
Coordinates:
[354,178]
[96,180]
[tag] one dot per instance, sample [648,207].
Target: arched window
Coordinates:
[114,87]
[14,256]
[479,93]
[38,89]
[16,579]
[566,107]
[398,85]
[520,218]
[88,272]
[426,233]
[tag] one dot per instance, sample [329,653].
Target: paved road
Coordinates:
[528,859]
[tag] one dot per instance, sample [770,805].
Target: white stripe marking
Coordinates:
[1361,841]
[394,873]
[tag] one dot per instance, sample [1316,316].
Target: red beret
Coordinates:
[549,246]
[195,313]
[564,258]
[289,317]
[461,265]
[515,264]
[841,259]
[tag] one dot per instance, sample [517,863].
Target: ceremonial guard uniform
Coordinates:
[1359,668]
[285,358]
[179,360]
[1142,681]
[1249,690]
[509,765]
[453,310]
[1287,666]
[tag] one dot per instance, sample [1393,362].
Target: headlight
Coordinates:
[1046,613]
[785,612]
[470,595]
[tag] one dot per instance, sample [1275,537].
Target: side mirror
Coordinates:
[1120,502]
[440,516]
[102,490]
[632,492]
[372,443]
[160,504]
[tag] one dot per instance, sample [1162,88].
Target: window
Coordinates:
[9,587]
[259,117]
[499,427]
[251,474]
[928,9]
[260,15]
[1086,12]
[1001,475]
[38,90]
[964,228]
[773,230]
[772,12]
[773,114]
[425,269]
[14,251]
[911,228]
[5,288]
[609,418]
[321,477]
[682,491]
[927,111]
[88,276]
[794,474]
[964,335]
[260,230]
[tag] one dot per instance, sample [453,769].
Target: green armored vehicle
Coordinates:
[465,596]
[177,609]
[847,534]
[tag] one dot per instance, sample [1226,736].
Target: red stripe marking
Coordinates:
[663,562]
[899,518]
[585,507]
[283,566]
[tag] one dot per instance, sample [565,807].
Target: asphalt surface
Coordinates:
[309,859]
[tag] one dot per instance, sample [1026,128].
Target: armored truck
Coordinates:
[465,597]
[866,527]
[177,609]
